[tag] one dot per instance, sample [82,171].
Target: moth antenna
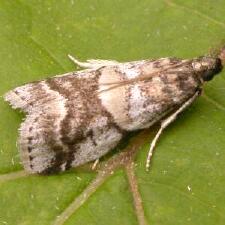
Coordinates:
[221,55]
[218,52]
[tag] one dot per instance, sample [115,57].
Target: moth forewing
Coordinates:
[78,117]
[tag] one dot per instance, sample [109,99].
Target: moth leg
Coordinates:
[95,164]
[165,123]
[93,63]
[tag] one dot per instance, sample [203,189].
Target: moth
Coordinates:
[79,116]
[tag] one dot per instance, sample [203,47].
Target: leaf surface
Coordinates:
[186,182]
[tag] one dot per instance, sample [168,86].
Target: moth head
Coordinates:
[207,67]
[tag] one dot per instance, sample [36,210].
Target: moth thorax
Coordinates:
[207,67]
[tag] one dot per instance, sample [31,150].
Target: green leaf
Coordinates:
[186,182]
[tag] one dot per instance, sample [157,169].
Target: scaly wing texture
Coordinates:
[40,132]
[70,122]
[65,126]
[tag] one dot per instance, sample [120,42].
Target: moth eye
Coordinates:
[216,67]
[208,75]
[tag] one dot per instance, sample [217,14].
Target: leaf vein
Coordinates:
[172,3]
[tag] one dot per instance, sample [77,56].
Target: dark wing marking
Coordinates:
[29,96]
[40,145]
[39,139]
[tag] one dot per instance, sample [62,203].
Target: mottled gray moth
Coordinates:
[79,116]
